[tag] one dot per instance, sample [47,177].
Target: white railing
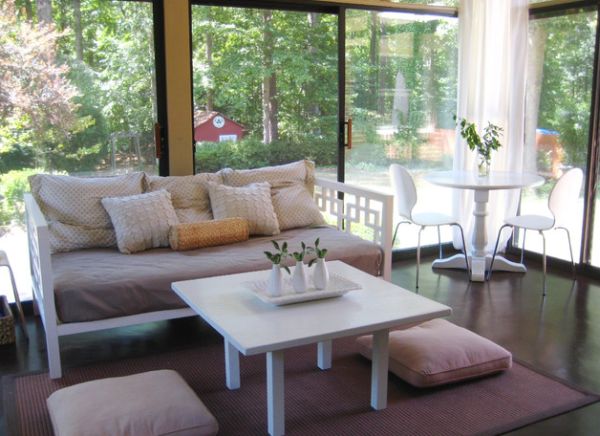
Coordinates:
[363,212]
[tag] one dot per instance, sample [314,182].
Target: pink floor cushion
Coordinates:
[150,403]
[438,352]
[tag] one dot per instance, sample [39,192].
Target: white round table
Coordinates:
[482,186]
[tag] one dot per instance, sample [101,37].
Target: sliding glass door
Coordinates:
[559,104]
[400,93]
[265,85]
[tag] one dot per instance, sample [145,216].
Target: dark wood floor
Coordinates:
[559,334]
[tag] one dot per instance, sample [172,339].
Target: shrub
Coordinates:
[253,153]
[12,186]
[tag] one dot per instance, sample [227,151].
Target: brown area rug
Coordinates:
[333,402]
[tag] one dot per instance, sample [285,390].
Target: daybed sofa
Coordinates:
[82,282]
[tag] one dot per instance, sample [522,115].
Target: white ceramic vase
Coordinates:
[299,281]
[275,284]
[321,274]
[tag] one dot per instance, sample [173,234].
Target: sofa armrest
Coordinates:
[40,262]
[368,212]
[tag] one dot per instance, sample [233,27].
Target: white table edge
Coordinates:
[249,351]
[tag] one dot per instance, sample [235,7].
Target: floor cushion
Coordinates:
[439,352]
[150,403]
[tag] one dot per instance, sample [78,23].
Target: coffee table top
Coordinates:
[253,326]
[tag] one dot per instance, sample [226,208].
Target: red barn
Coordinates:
[216,127]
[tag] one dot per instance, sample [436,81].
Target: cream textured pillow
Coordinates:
[149,403]
[295,207]
[141,221]
[279,176]
[189,194]
[72,206]
[252,202]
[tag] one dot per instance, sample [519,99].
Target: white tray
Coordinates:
[336,287]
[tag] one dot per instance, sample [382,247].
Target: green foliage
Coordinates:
[253,153]
[320,252]
[12,187]
[484,145]
[281,253]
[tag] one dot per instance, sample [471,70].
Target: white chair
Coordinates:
[405,201]
[561,203]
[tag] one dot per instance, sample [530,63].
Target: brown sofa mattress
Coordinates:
[103,283]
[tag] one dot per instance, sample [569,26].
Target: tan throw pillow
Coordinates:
[188,236]
[439,352]
[189,194]
[295,207]
[141,221]
[279,176]
[252,202]
[73,208]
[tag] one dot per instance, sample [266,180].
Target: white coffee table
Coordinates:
[251,326]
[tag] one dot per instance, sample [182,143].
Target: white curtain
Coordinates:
[491,87]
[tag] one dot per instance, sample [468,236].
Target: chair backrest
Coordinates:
[405,192]
[564,196]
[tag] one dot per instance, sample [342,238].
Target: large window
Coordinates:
[265,87]
[78,96]
[401,78]
[559,95]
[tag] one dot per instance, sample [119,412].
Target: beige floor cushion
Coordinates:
[150,403]
[439,352]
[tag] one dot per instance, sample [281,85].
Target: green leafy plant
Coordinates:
[299,255]
[279,256]
[320,252]
[484,145]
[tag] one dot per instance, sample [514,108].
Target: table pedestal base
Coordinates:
[479,265]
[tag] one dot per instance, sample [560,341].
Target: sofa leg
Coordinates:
[53,350]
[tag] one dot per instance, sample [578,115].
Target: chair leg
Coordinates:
[440,242]
[543,263]
[18,301]
[523,246]
[570,249]
[395,233]
[496,249]
[462,237]
[418,256]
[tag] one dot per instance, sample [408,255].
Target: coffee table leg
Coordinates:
[232,366]
[275,393]
[379,370]
[324,354]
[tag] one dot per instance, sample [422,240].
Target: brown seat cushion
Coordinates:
[438,352]
[150,403]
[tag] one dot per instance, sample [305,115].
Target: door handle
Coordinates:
[348,125]
[157,140]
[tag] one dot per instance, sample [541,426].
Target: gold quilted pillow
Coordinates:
[188,236]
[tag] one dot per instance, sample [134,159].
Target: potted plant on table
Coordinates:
[484,145]
[275,283]
[321,275]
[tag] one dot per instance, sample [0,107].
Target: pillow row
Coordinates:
[79,217]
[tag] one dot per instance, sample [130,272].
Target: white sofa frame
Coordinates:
[349,205]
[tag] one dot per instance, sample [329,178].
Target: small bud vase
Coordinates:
[321,275]
[483,166]
[299,281]
[275,283]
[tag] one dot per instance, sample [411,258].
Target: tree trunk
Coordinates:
[269,85]
[77,29]
[373,61]
[28,9]
[44,11]
[210,92]
[313,22]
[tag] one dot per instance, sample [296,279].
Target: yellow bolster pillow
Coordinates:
[188,236]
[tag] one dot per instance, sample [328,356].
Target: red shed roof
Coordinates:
[201,117]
